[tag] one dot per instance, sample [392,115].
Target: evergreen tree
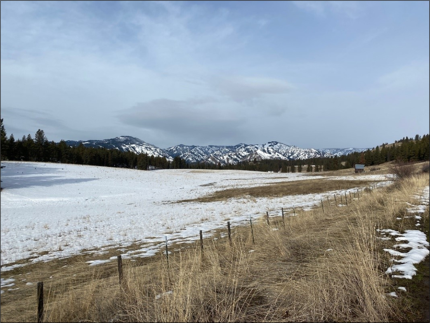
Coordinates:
[4,142]
[40,145]
[28,144]
[11,153]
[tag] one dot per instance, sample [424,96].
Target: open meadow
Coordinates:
[303,247]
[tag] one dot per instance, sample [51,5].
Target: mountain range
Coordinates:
[216,154]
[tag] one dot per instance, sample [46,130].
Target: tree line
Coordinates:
[406,150]
[41,149]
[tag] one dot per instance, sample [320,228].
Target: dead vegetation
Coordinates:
[315,266]
[284,188]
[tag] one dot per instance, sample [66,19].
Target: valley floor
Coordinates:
[54,211]
[328,261]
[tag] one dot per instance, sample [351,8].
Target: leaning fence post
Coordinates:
[201,240]
[40,302]
[267,218]
[335,199]
[229,231]
[252,230]
[322,205]
[120,274]
[346,199]
[294,210]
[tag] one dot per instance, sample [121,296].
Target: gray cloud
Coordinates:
[21,122]
[242,89]
[195,119]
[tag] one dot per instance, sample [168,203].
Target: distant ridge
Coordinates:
[124,143]
[217,154]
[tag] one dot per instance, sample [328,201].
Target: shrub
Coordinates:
[425,168]
[402,170]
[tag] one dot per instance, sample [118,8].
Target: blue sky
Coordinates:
[311,74]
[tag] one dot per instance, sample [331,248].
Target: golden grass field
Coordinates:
[316,266]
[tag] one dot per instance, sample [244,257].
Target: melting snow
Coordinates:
[414,240]
[62,209]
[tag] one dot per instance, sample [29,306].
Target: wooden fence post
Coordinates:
[40,302]
[120,274]
[346,199]
[229,231]
[322,205]
[283,217]
[294,210]
[335,199]
[167,253]
[201,240]
[252,230]
[267,218]
[168,265]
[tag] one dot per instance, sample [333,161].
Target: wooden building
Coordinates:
[359,168]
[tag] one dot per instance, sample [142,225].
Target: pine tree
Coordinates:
[4,143]
[11,152]
[39,144]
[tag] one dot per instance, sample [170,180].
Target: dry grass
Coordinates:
[369,170]
[289,274]
[283,188]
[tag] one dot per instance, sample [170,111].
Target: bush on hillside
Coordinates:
[402,170]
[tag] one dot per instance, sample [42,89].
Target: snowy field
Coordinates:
[53,211]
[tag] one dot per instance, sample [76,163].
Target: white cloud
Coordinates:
[349,9]
[316,7]
[412,75]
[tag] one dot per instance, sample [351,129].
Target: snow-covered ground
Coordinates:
[53,211]
[414,241]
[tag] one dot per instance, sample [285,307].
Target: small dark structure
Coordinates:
[359,168]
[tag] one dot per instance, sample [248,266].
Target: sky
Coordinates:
[310,74]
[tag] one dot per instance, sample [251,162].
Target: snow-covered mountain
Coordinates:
[340,151]
[124,143]
[250,152]
[217,154]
